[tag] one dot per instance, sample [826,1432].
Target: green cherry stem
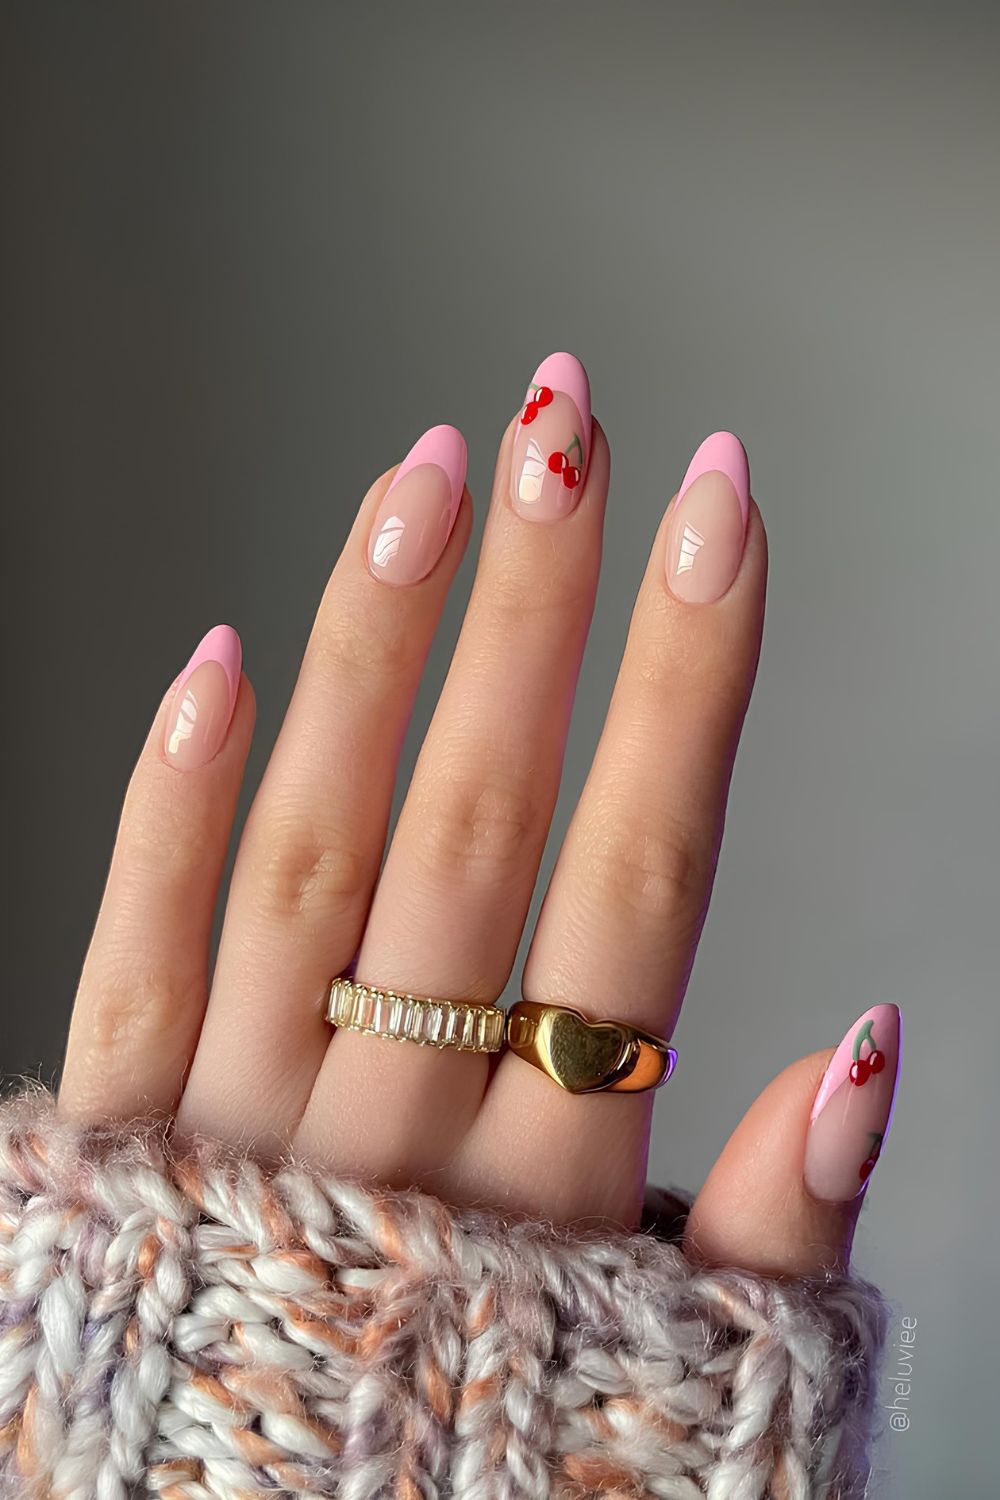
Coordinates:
[863,1035]
[576,443]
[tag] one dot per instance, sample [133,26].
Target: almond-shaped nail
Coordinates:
[414,521]
[708,521]
[853,1107]
[552,442]
[203,701]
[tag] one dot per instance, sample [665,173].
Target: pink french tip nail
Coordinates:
[852,1110]
[708,521]
[203,702]
[553,439]
[415,519]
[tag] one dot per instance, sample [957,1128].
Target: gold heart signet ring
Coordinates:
[588,1057]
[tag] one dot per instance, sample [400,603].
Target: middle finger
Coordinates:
[449,910]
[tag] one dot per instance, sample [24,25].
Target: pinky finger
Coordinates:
[144,986]
[785,1194]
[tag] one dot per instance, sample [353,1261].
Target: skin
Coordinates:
[244,1054]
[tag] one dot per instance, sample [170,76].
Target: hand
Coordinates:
[245,1054]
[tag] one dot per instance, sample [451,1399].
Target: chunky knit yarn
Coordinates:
[183,1323]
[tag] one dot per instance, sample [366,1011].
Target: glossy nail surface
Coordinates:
[414,521]
[853,1107]
[552,442]
[202,705]
[708,521]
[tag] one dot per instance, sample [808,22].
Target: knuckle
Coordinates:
[297,874]
[139,1010]
[529,587]
[660,876]
[671,662]
[476,828]
[372,652]
[160,837]
[668,659]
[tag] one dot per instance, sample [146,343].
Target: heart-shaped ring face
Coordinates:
[582,1056]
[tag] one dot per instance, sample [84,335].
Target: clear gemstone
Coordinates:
[416,1022]
[450,1025]
[365,1008]
[434,1024]
[380,1012]
[394,1022]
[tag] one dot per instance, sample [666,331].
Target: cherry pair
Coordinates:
[540,396]
[868,1165]
[863,1067]
[558,462]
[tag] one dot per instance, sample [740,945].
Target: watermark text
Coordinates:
[899,1375]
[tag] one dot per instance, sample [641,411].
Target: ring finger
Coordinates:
[449,910]
[618,930]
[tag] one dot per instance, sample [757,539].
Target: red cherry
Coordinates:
[866,1168]
[529,414]
[557,462]
[571,476]
[876,1061]
[860,1071]
[543,396]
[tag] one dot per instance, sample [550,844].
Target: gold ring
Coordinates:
[464,1025]
[585,1057]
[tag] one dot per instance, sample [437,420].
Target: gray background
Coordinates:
[250,252]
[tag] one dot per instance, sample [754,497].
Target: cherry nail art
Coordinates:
[853,1107]
[541,396]
[552,442]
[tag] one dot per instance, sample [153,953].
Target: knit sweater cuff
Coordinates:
[181,1322]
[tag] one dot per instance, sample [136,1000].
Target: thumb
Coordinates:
[785,1194]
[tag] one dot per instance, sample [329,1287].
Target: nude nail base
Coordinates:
[202,706]
[853,1107]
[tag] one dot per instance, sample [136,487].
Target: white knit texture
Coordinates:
[184,1324]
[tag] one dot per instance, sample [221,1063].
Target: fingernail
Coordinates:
[851,1114]
[708,521]
[552,442]
[418,510]
[202,705]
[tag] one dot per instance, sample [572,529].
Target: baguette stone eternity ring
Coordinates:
[464,1025]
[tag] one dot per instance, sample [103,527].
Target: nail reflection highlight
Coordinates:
[202,707]
[417,513]
[706,526]
[853,1107]
[552,441]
